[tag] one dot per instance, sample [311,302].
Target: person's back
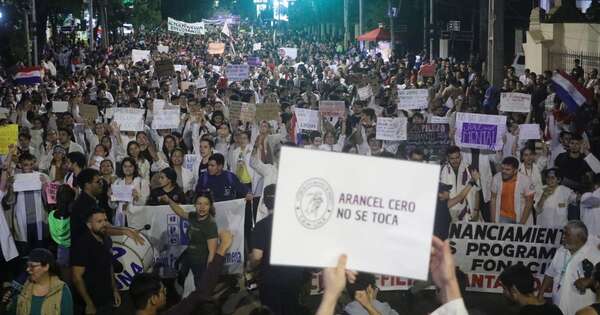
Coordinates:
[543,309]
[517,282]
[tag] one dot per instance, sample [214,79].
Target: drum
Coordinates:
[130,258]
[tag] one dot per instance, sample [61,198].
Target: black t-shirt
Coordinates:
[545,309]
[441,223]
[571,169]
[272,275]
[176,195]
[79,210]
[96,257]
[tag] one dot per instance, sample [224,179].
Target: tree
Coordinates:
[147,13]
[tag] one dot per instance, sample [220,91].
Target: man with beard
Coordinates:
[512,195]
[518,287]
[93,277]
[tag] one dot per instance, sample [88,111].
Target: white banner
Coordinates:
[327,210]
[129,119]
[484,250]
[391,128]
[307,119]
[530,131]
[237,72]
[413,99]
[140,55]
[515,102]
[168,233]
[479,131]
[186,28]
[166,119]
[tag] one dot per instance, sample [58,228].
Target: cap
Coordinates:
[444,187]
[40,255]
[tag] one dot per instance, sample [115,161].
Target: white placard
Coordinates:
[109,112]
[140,55]
[238,72]
[27,182]
[285,52]
[318,212]
[479,131]
[413,99]
[391,128]
[439,120]
[189,160]
[365,92]
[180,68]
[307,119]
[529,131]
[162,48]
[166,119]
[122,193]
[200,83]
[515,102]
[158,105]
[60,106]
[129,119]
[256,46]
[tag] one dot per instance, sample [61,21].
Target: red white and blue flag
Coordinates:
[571,92]
[29,76]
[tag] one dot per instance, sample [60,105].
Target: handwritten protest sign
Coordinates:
[267,111]
[433,139]
[439,120]
[365,92]
[27,182]
[164,68]
[529,131]
[197,28]
[129,119]
[122,193]
[479,131]
[140,55]
[162,48]
[60,106]
[307,119]
[166,119]
[50,190]
[413,99]
[88,112]
[216,48]
[329,209]
[9,134]
[484,250]
[248,112]
[237,72]
[515,102]
[391,128]
[288,52]
[332,108]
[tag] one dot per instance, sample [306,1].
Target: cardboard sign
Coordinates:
[391,128]
[216,48]
[164,68]
[237,72]
[307,119]
[530,131]
[242,111]
[88,112]
[267,112]
[129,119]
[413,99]
[288,52]
[166,119]
[515,102]
[140,55]
[479,131]
[9,134]
[332,108]
[328,210]
[60,106]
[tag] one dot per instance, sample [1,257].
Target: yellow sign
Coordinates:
[9,134]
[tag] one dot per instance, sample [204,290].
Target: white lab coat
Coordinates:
[554,212]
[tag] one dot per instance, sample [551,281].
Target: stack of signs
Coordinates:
[515,102]
[480,131]
[254,61]
[164,68]
[433,139]
[237,72]
[413,99]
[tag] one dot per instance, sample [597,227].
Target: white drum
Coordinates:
[133,257]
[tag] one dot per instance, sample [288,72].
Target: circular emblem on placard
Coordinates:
[314,203]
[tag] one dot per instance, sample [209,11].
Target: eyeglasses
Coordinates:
[33,266]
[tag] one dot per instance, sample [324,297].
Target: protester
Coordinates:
[593,309]
[518,287]
[512,195]
[364,294]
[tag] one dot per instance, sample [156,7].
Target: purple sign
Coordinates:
[479,134]
[254,61]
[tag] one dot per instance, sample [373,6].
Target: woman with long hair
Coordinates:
[128,175]
[167,179]
[54,164]
[185,177]
[143,165]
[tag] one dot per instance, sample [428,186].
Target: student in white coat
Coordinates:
[590,208]
[465,187]
[512,195]
[185,177]
[129,175]
[552,206]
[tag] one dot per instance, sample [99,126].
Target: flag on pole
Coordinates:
[29,76]
[226,30]
[571,92]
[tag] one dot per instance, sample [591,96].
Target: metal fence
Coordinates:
[566,60]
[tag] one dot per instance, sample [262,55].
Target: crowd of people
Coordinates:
[64,240]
